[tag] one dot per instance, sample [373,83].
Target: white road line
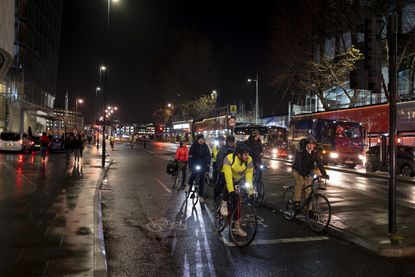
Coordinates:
[164,157]
[163,185]
[278,241]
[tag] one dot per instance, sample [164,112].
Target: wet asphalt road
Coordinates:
[138,193]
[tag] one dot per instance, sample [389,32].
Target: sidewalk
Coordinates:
[49,219]
[359,217]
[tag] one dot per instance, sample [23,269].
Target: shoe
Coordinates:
[201,200]
[238,230]
[224,208]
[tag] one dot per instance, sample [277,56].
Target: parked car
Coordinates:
[57,145]
[405,161]
[36,143]
[10,141]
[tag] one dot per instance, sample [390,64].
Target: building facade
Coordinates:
[30,83]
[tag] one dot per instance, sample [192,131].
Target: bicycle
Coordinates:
[316,206]
[178,176]
[194,190]
[259,193]
[247,217]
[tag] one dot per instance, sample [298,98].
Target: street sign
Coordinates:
[233,109]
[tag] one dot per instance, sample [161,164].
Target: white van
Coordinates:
[10,141]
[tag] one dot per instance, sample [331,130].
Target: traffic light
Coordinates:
[374,52]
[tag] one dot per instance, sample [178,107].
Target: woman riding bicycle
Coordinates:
[182,156]
[236,166]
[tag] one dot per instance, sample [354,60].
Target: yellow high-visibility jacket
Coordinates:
[234,170]
[215,152]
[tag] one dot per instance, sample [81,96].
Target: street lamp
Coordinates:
[80,101]
[107,35]
[256,102]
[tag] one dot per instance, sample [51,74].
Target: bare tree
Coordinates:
[190,70]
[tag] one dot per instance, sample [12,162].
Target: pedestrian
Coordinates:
[77,145]
[68,146]
[89,137]
[44,142]
[83,143]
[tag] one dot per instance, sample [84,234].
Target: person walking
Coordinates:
[83,143]
[44,143]
[77,145]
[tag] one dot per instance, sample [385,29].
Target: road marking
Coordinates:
[165,157]
[164,186]
[277,241]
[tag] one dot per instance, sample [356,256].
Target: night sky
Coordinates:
[140,30]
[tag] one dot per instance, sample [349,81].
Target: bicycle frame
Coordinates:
[315,185]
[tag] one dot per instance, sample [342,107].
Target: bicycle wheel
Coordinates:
[248,223]
[287,204]
[195,191]
[259,194]
[178,180]
[318,218]
[220,220]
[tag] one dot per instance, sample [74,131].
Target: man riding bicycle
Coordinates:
[236,166]
[257,152]
[303,167]
[199,155]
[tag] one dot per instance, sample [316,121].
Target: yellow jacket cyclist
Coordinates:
[236,166]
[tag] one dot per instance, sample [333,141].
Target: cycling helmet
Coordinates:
[242,148]
[230,139]
[199,136]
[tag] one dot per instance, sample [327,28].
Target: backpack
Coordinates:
[171,168]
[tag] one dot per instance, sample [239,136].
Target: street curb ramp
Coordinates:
[100,257]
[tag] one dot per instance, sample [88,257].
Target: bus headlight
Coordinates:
[290,157]
[334,155]
[274,151]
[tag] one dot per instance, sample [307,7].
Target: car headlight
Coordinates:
[334,155]
[198,167]
[274,151]
[361,157]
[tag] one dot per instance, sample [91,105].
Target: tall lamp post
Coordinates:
[97,106]
[256,102]
[107,35]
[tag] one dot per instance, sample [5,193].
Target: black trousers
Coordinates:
[201,175]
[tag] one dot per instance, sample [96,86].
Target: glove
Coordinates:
[234,196]
[325,176]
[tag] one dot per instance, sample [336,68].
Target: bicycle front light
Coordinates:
[198,167]
[247,185]
[261,166]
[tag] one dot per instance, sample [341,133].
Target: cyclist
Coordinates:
[303,167]
[236,166]
[255,144]
[199,155]
[218,143]
[182,156]
[225,150]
